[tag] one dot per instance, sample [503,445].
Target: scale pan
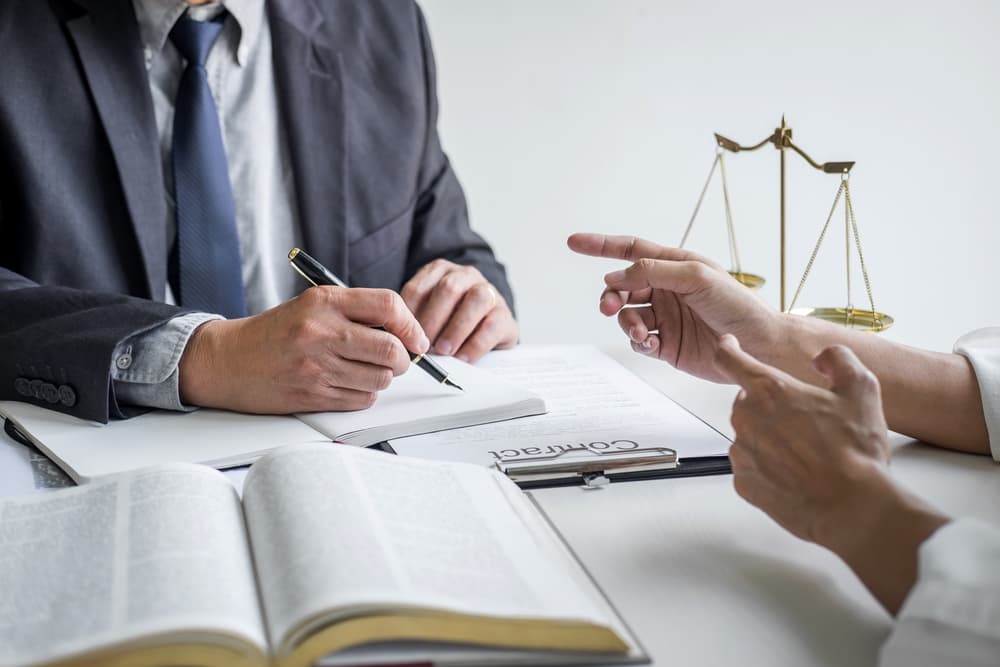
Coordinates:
[855,318]
[751,280]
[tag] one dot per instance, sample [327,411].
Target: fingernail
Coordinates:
[647,344]
[443,347]
[615,277]
[462,357]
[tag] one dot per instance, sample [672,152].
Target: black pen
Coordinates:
[317,274]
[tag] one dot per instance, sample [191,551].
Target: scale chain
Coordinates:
[812,257]
[734,253]
[701,198]
[861,256]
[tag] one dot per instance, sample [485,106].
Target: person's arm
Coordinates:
[456,287]
[931,396]
[683,303]
[316,352]
[59,344]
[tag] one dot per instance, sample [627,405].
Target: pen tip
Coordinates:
[450,382]
[292,253]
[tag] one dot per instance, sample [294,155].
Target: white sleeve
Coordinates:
[982,349]
[952,615]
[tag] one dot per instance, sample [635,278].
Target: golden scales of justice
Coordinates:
[868,319]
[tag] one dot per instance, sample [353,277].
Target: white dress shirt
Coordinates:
[951,618]
[241,77]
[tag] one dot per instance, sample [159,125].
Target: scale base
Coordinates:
[751,280]
[854,318]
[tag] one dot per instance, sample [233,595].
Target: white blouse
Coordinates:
[952,615]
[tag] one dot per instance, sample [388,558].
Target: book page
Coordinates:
[594,403]
[158,551]
[416,403]
[345,529]
[87,450]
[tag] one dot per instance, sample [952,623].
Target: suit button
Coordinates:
[50,393]
[36,389]
[22,386]
[67,396]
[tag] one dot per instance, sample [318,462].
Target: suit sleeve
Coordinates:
[58,344]
[441,225]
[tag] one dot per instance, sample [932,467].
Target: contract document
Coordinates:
[593,401]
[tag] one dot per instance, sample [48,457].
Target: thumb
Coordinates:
[847,375]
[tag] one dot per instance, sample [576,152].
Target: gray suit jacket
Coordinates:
[82,246]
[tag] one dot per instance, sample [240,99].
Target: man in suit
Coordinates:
[159,158]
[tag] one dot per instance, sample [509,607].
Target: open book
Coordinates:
[412,405]
[335,553]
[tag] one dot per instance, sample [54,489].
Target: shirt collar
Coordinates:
[157,19]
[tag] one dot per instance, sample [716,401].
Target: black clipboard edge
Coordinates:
[10,428]
[695,466]
[698,466]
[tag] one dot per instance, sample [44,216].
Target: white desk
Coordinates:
[704,579]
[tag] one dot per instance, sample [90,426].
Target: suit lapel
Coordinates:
[110,51]
[307,72]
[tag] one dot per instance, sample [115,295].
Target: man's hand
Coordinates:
[815,460]
[680,303]
[316,352]
[460,311]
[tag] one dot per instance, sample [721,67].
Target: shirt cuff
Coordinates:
[982,349]
[952,615]
[144,368]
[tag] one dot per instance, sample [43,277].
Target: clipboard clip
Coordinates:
[591,466]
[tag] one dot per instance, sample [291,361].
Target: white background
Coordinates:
[567,115]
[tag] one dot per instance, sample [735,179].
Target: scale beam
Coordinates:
[781,139]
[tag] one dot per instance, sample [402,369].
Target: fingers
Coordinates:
[497,331]
[372,348]
[614,300]
[637,323]
[479,301]
[629,248]
[460,311]
[380,307]
[337,399]
[419,287]
[446,292]
[681,277]
[848,376]
[649,346]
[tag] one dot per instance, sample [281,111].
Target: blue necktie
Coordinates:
[206,262]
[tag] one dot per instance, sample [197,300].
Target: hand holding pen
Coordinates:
[320,351]
[317,274]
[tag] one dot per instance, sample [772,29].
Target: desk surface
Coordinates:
[705,579]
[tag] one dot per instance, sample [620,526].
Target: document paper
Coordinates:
[594,403]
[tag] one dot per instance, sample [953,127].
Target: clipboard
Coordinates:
[582,466]
[593,469]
